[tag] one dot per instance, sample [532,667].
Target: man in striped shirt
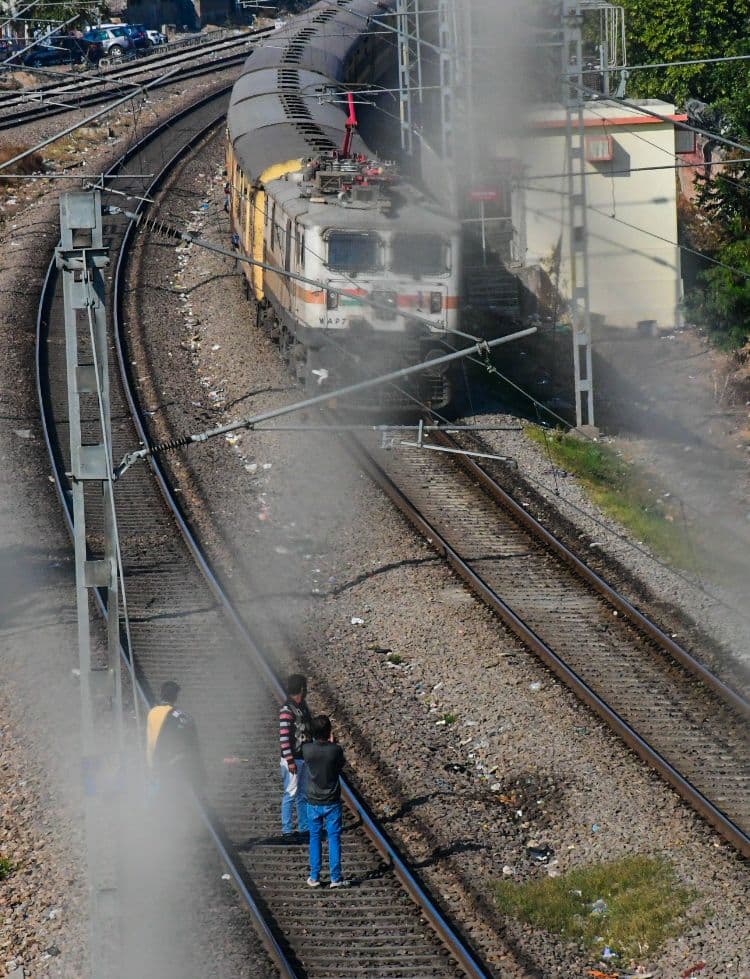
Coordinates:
[294,730]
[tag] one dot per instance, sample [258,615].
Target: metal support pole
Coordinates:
[572,98]
[405,58]
[81,257]
[447,45]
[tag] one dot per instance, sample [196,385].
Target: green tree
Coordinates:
[87,13]
[660,31]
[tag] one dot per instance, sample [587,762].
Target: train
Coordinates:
[354,268]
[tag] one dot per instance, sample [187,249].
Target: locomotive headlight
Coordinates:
[332,299]
[436,302]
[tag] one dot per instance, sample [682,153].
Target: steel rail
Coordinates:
[733,699]
[383,844]
[123,70]
[704,806]
[20,118]
[387,849]
[223,846]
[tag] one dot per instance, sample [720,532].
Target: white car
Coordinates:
[156,37]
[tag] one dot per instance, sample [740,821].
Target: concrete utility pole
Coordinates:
[81,257]
[575,145]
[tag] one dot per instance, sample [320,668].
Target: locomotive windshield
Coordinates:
[419,254]
[354,252]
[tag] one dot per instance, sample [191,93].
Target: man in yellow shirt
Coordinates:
[171,742]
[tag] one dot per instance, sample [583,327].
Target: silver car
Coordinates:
[156,37]
[114,40]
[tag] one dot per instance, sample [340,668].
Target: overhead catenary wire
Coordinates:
[39,40]
[606,527]
[141,89]
[251,421]
[644,110]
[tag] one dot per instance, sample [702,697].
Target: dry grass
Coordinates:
[625,493]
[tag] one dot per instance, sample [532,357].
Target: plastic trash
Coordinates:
[609,954]
[226,877]
[535,687]
[599,907]
[539,854]
[355,620]
[595,828]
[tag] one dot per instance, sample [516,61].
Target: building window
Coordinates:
[600,149]
[684,141]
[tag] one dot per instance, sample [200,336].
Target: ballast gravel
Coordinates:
[43,911]
[464,745]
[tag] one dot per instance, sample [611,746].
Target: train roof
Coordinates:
[411,212]
[275,111]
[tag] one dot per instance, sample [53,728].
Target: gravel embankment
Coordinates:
[704,616]
[458,737]
[39,768]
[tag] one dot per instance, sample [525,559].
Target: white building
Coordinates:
[634,262]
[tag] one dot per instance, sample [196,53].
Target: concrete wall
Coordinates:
[632,213]
[182,13]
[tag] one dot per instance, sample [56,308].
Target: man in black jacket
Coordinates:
[324,760]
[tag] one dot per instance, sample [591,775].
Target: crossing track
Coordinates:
[666,705]
[78,92]
[184,627]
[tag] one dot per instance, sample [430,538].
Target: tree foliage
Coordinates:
[661,31]
[86,13]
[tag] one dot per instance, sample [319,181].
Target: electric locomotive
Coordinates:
[357,270]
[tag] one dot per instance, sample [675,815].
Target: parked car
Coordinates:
[138,35]
[114,40]
[43,56]
[79,48]
[156,37]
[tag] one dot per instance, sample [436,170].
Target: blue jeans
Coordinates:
[295,792]
[331,817]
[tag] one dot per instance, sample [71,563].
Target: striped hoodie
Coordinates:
[295,723]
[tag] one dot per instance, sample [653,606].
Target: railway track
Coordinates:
[19,108]
[184,627]
[666,705]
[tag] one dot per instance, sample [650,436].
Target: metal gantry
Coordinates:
[409,68]
[575,147]
[81,258]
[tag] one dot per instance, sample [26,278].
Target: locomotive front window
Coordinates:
[354,252]
[419,254]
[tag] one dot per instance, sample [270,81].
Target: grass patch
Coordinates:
[394,658]
[624,493]
[450,718]
[6,867]
[644,904]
